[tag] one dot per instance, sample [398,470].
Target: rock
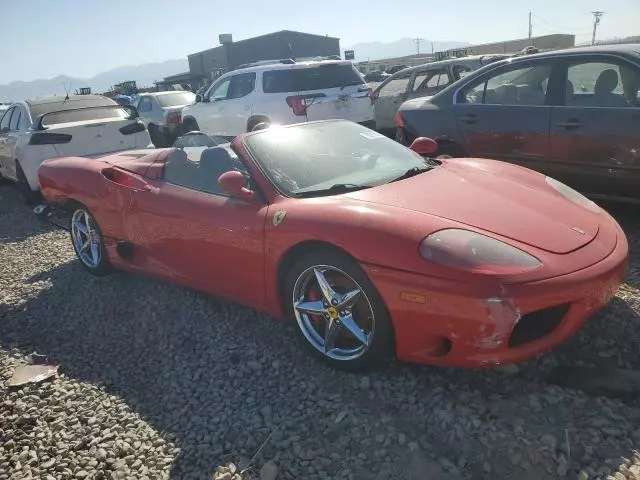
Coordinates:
[100,455]
[582,475]
[549,441]
[269,471]
[254,365]
[365,383]
[402,439]
[562,469]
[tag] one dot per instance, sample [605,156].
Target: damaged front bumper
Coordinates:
[484,323]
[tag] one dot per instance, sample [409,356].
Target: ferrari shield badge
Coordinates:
[279,217]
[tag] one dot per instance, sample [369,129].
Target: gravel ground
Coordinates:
[158,381]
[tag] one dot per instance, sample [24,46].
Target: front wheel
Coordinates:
[88,242]
[338,312]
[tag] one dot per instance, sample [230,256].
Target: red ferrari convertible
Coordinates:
[369,247]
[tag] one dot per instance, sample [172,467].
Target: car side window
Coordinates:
[144,105]
[199,168]
[14,125]
[6,120]
[242,85]
[512,85]
[219,90]
[396,86]
[421,76]
[602,84]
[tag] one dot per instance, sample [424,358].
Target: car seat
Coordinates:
[603,91]
[214,162]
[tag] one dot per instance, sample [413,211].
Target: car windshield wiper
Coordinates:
[412,172]
[336,188]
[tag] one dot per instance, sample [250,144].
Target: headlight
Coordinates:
[474,252]
[571,195]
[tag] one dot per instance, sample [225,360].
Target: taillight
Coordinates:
[134,127]
[299,103]
[174,117]
[49,138]
[399,120]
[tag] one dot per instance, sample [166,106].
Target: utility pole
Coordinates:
[417,41]
[530,27]
[596,22]
[431,48]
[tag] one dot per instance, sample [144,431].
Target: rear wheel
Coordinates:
[190,125]
[156,136]
[340,316]
[88,242]
[451,150]
[29,195]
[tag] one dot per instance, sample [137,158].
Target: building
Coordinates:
[211,63]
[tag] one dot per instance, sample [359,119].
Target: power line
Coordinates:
[566,29]
[596,21]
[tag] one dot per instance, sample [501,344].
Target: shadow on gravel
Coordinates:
[217,379]
[12,212]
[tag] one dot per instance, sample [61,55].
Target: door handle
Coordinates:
[569,124]
[471,118]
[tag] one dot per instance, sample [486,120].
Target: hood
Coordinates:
[495,197]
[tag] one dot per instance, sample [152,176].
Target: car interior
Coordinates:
[201,169]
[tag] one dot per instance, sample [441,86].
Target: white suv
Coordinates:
[281,93]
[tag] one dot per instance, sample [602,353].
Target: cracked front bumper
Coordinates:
[438,321]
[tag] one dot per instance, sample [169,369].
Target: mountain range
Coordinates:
[144,75]
[147,73]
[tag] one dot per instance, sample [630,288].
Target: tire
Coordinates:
[157,138]
[29,195]
[190,125]
[375,344]
[93,258]
[260,126]
[451,150]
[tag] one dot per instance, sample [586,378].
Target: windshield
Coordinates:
[176,99]
[315,157]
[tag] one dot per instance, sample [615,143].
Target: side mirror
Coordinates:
[199,98]
[232,182]
[424,146]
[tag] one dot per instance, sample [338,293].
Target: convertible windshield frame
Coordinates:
[306,192]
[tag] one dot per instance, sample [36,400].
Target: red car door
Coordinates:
[198,236]
[595,144]
[505,114]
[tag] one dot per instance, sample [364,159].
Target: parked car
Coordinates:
[280,93]
[420,81]
[197,139]
[373,77]
[84,125]
[366,246]
[571,114]
[393,69]
[161,112]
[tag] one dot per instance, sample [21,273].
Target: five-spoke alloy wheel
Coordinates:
[88,242]
[338,312]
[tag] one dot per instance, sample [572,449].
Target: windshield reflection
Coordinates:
[315,158]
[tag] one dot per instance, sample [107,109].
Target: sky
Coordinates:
[81,38]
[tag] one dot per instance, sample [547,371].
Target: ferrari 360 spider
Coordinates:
[369,247]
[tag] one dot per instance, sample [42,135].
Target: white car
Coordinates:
[161,112]
[281,93]
[80,125]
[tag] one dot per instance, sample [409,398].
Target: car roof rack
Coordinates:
[285,61]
